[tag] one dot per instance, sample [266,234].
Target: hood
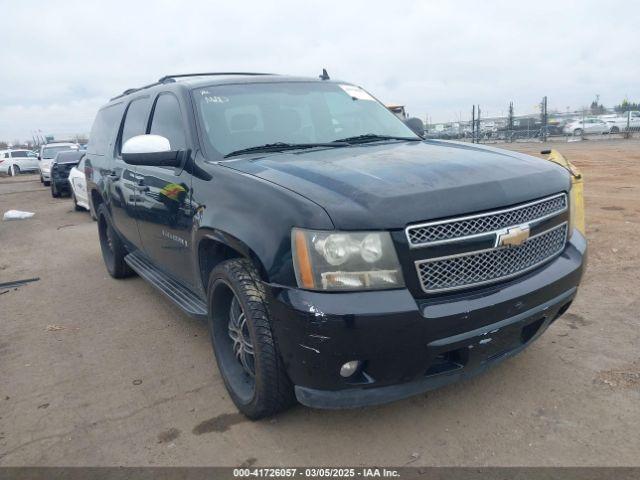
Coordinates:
[387,186]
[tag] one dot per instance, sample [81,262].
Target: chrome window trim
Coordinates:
[493,280]
[485,214]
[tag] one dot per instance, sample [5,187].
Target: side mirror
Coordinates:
[151,150]
[416,125]
[39,158]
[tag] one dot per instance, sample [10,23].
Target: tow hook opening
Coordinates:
[529,331]
[448,362]
[562,310]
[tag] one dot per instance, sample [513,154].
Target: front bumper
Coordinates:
[409,345]
[61,184]
[46,174]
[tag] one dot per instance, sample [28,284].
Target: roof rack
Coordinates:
[129,91]
[171,79]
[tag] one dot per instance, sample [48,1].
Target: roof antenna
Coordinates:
[325,75]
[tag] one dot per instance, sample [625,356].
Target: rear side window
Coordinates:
[19,154]
[104,127]
[135,120]
[167,121]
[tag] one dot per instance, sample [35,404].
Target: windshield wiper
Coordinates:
[374,137]
[282,146]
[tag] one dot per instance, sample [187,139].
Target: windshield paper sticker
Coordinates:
[356,92]
[215,99]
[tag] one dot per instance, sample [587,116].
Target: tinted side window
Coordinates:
[19,154]
[167,121]
[135,120]
[103,129]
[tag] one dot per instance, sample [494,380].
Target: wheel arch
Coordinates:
[215,246]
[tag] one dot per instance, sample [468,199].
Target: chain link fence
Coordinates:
[588,123]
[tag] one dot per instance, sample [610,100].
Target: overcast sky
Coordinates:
[61,60]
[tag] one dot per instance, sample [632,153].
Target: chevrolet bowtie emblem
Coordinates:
[512,237]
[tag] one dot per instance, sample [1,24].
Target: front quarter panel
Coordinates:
[254,215]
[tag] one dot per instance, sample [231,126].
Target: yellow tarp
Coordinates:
[577,189]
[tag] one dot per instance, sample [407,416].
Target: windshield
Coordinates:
[235,117]
[50,152]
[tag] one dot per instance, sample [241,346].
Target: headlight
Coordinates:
[328,260]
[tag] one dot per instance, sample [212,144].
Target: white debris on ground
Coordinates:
[17,215]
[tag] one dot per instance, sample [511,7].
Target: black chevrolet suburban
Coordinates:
[339,259]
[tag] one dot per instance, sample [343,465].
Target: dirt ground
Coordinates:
[95,371]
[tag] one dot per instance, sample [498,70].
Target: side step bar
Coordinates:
[188,301]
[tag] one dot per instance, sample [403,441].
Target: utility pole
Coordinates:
[473,124]
[510,123]
[628,132]
[544,118]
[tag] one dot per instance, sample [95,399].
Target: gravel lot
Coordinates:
[95,371]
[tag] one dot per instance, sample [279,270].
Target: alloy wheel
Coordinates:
[238,331]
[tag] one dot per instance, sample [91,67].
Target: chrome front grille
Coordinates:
[486,266]
[451,230]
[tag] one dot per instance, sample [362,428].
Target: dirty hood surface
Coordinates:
[387,186]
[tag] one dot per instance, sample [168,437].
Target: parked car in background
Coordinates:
[620,123]
[78,186]
[398,110]
[14,162]
[47,153]
[60,168]
[588,125]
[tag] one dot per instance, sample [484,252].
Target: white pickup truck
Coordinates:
[618,124]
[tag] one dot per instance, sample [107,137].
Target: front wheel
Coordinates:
[577,132]
[243,342]
[15,170]
[55,193]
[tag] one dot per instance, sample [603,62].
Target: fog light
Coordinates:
[349,368]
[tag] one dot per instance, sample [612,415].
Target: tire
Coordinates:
[54,190]
[614,130]
[15,170]
[577,132]
[41,179]
[113,250]
[235,285]
[77,207]
[46,182]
